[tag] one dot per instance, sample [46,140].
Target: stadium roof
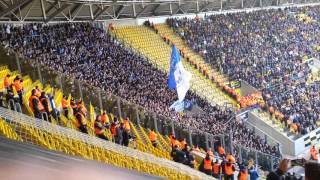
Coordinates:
[93,10]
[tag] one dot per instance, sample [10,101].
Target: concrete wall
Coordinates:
[288,146]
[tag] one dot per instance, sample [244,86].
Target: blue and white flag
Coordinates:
[178,77]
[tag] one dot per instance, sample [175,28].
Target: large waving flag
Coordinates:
[178,77]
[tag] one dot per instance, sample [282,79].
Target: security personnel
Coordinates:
[73,106]
[153,138]
[231,158]
[183,144]
[99,129]
[207,165]
[243,174]
[113,130]
[6,81]
[35,105]
[17,82]
[229,171]
[81,106]
[216,169]
[126,124]
[105,120]
[46,104]
[81,121]
[221,151]
[314,153]
[65,105]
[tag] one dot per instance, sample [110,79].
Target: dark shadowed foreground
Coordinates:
[24,161]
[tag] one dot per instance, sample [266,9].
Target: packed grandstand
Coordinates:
[274,51]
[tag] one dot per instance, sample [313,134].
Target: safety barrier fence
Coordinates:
[98,97]
[20,123]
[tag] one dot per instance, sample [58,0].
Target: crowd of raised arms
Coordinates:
[91,55]
[268,49]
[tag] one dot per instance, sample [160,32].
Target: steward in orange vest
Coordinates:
[221,151]
[35,105]
[183,144]
[46,104]
[65,105]
[229,171]
[99,129]
[216,169]
[105,120]
[153,138]
[73,106]
[230,158]
[207,165]
[126,124]
[81,121]
[243,174]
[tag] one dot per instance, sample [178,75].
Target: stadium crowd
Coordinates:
[268,49]
[89,54]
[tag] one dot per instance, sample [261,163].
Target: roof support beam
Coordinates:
[5,4]
[155,9]
[101,11]
[52,6]
[58,11]
[14,7]
[43,9]
[75,11]
[142,11]
[119,11]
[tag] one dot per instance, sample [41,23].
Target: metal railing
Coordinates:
[18,120]
[120,107]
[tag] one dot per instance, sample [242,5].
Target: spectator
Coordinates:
[90,55]
[253,173]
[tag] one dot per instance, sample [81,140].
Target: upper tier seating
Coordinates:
[270,50]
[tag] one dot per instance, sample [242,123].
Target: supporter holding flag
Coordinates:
[178,79]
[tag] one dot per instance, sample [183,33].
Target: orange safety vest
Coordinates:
[207,164]
[48,102]
[243,175]
[104,119]
[64,103]
[153,136]
[126,125]
[18,85]
[6,82]
[73,104]
[83,120]
[220,150]
[183,144]
[228,170]
[216,168]
[97,130]
[40,106]
[231,158]
[113,130]
[176,143]
[82,108]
